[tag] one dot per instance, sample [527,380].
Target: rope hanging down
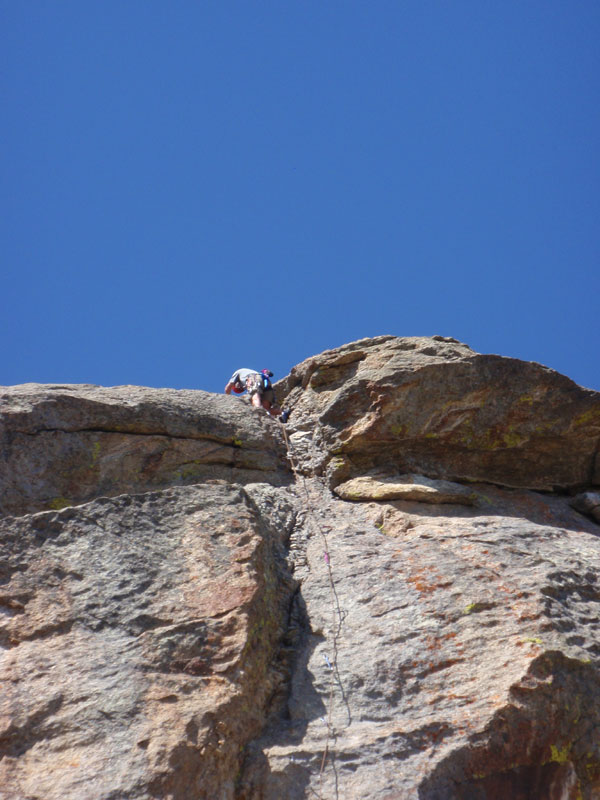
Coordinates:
[336,611]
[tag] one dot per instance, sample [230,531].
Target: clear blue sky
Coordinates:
[199,185]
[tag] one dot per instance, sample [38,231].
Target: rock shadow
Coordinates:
[287,723]
[541,745]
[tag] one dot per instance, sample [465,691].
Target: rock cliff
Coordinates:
[395,596]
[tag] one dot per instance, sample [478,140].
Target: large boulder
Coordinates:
[434,406]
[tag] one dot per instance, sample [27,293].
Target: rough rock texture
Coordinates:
[139,638]
[63,445]
[405,487]
[464,646]
[395,596]
[435,407]
[588,503]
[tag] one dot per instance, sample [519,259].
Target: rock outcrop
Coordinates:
[434,407]
[63,445]
[397,595]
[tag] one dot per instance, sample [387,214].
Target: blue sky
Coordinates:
[195,186]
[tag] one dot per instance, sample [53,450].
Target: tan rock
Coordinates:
[435,407]
[139,642]
[405,487]
[205,620]
[449,660]
[65,445]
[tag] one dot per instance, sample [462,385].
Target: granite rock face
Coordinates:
[435,407]
[463,644]
[396,596]
[63,445]
[588,503]
[140,639]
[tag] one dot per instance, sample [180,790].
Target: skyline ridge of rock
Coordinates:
[396,596]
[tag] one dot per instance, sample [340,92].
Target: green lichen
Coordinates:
[533,639]
[491,440]
[513,439]
[559,756]
[237,442]
[398,430]
[475,608]
[541,430]
[191,469]
[471,440]
[59,502]
[593,415]
[95,454]
[512,765]
[578,709]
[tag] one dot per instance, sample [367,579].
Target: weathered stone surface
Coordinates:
[206,620]
[139,637]
[588,503]
[464,646]
[405,487]
[64,445]
[435,407]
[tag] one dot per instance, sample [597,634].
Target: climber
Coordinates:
[259,388]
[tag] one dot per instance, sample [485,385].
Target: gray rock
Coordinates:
[588,503]
[206,619]
[64,445]
[435,407]
[140,638]
[456,657]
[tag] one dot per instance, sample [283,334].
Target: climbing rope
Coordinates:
[337,614]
